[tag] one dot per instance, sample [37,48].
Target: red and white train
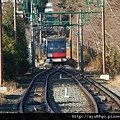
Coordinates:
[56,49]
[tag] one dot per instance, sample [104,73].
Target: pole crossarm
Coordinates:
[55,22]
[98,2]
[35,3]
[24,4]
[65,13]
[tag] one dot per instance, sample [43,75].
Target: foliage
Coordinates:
[98,63]
[7,20]
[21,48]
[86,58]
[8,57]
[89,55]
[14,56]
[62,4]
[42,5]
[112,62]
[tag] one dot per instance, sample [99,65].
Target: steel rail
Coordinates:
[112,96]
[46,92]
[22,102]
[106,93]
[83,88]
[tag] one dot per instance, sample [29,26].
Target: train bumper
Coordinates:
[56,60]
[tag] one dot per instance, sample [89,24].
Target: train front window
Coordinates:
[56,46]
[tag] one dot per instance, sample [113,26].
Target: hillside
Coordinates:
[93,28]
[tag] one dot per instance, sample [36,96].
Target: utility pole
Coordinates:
[1,59]
[70,17]
[81,43]
[32,38]
[15,22]
[103,36]
[41,39]
[78,43]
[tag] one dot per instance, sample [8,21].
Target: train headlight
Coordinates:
[49,54]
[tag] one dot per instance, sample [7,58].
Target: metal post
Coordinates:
[81,43]
[60,76]
[78,40]
[1,60]
[70,17]
[66,93]
[32,39]
[15,22]
[59,27]
[103,36]
[40,38]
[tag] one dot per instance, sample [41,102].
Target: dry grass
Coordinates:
[11,86]
[11,89]
[115,82]
[16,87]
[2,99]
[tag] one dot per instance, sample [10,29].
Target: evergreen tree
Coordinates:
[14,56]
[21,48]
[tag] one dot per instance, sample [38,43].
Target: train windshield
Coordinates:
[56,46]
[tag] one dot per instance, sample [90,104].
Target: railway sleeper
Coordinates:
[112,109]
[108,107]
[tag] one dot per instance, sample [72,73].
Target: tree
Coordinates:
[14,56]
[8,57]
[21,48]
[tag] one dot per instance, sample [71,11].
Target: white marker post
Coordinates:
[105,77]
[66,93]
[60,76]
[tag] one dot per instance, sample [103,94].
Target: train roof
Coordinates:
[56,38]
[49,4]
[49,7]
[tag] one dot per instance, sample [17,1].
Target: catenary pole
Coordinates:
[103,35]
[15,22]
[78,40]
[40,40]
[70,17]
[32,39]
[1,60]
[81,43]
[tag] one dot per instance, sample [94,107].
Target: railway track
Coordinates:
[61,90]
[66,95]
[107,102]
[39,96]
[34,99]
